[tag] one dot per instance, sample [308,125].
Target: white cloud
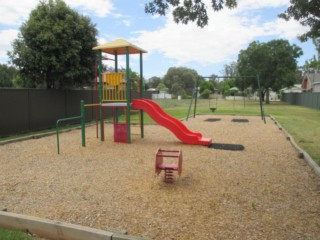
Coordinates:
[226,34]
[99,8]
[127,23]
[285,29]
[15,12]
[187,43]
[254,4]
[6,36]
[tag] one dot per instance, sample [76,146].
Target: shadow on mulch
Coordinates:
[242,120]
[225,146]
[212,119]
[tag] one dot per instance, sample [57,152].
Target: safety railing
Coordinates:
[82,117]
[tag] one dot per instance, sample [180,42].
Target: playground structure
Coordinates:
[211,108]
[113,90]
[168,168]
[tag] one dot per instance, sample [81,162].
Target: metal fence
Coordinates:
[25,110]
[307,99]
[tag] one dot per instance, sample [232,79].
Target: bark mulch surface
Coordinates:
[262,192]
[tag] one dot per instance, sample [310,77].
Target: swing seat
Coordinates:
[212,109]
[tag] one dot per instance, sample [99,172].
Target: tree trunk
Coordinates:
[267,96]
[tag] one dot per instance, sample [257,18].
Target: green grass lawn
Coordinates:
[14,235]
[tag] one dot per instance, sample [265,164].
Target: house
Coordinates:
[311,81]
[161,95]
[296,88]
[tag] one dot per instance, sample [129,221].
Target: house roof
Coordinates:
[234,89]
[119,46]
[312,76]
[294,87]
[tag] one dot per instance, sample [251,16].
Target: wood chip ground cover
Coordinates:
[263,192]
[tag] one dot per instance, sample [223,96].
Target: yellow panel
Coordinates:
[114,87]
[114,78]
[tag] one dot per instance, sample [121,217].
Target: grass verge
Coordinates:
[14,235]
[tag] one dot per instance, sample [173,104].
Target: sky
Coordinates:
[206,50]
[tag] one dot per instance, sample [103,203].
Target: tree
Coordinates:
[54,47]
[275,63]
[313,63]
[230,70]
[187,10]
[206,85]
[308,14]
[161,86]
[7,75]
[205,94]
[134,78]
[316,42]
[225,86]
[154,82]
[180,81]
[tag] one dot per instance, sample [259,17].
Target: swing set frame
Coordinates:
[195,95]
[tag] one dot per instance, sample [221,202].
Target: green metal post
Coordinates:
[58,128]
[128,86]
[100,95]
[190,107]
[193,95]
[141,96]
[261,103]
[83,123]
[116,61]
[196,98]
[58,143]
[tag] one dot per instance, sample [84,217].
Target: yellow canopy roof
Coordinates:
[119,46]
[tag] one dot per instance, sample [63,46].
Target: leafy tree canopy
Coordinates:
[7,75]
[205,94]
[154,82]
[230,70]
[188,10]
[307,12]
[206,85]
[180,80]
[54,47]
[274,62]
[161,86]
[313,63]
[225,86]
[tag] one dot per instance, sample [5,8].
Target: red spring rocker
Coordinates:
[168,168]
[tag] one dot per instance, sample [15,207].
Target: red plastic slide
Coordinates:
[169,122]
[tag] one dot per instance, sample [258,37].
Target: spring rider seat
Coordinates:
[168,168]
